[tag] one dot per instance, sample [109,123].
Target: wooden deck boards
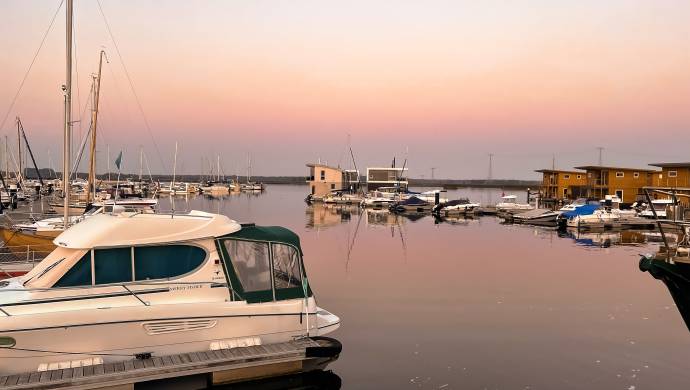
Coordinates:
[158,367]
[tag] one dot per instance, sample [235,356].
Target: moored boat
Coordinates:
[171,283]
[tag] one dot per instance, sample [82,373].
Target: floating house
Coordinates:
[563,185]
[672,175]
[626,183]
[386,177]
[324,179]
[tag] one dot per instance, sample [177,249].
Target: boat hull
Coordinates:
[17,241]
[67,337]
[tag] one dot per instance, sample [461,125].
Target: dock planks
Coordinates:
[219,363]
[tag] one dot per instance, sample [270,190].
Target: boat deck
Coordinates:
[205,367]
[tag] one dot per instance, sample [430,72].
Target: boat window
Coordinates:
[166,261]
[251,263]
[113,265]
[78,275]
[286,267]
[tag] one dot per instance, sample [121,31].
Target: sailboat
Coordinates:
[250,185]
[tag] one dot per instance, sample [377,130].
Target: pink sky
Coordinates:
[450,81]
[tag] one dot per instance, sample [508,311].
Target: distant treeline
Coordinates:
[445,183]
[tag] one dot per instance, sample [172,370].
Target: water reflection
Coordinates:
[317,380]
[321,215]
[477,304]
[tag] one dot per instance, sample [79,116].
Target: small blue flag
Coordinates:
[118,160]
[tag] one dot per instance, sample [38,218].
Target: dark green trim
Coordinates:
[269,235]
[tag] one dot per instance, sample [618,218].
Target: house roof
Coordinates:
[127,229]
[672,165]
[600,167]
[557,171]
[314,165]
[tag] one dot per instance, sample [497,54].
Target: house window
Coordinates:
[619,194]
[636,175]
[566,177]
[332,186]
[620,174]
[579,177]
[323,175]
[672,173]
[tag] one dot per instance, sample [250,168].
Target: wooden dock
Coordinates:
[199,369]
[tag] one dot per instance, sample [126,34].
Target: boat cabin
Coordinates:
[158,258]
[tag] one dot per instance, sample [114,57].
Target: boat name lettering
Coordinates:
[188,287]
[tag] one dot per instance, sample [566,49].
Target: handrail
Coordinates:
[123,285]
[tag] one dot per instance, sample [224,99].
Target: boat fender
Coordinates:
[143,355]
[647,265]
[328,348]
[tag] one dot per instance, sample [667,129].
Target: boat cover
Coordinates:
[277,234]
[585,209]
[456,202]
[413,201]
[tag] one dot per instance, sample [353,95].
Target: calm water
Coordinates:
[476,304]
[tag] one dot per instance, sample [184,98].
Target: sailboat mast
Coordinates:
[108,162]
[68,113]
[172,185]
[94,126]
[141,161]
[7,159]
[19,151]
[218,168]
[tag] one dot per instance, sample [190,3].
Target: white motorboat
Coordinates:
[455,207]
[509,204]
[537,217]
[252,186]
[124,284]
[430,196]
[342,198]
[377,199]
[659,206]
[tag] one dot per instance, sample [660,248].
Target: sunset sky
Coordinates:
[287,81]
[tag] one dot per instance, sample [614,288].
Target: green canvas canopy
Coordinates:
[276,234]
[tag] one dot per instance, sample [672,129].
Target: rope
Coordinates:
[131,84]
[26,75]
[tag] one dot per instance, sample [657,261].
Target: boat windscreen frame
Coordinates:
[236,287]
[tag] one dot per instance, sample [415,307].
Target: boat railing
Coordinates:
[30,253]
[163,286]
